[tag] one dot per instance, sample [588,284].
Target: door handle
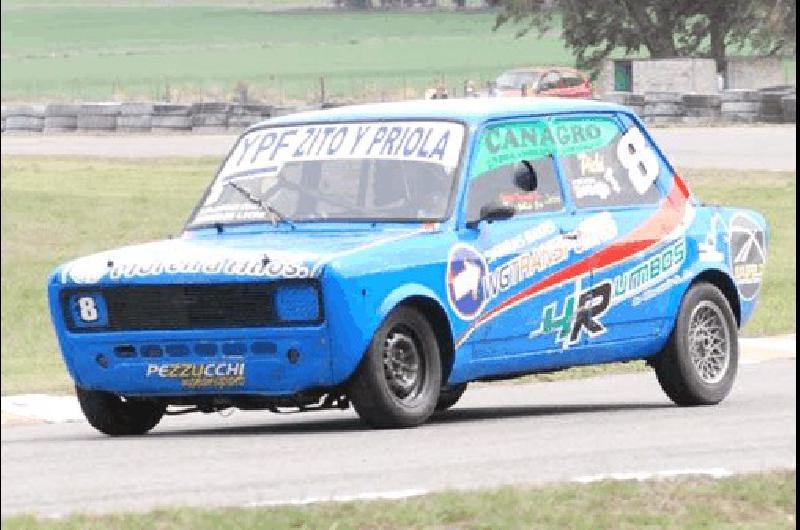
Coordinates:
[569,235]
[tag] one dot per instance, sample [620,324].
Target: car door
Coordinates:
[506,274]
[619,178]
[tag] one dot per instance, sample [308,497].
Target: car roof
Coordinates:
[468,110]
[541,69]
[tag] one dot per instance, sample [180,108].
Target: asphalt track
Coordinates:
[770,148]
[498,434]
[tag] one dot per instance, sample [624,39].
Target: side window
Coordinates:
[509,155]
[606,166]
[573,81]
[549,81]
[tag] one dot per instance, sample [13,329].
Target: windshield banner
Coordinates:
[267,150]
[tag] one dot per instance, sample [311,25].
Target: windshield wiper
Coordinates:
[265,206]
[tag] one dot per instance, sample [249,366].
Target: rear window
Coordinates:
[612,167]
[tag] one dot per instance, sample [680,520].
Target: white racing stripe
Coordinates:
[366,496]
[43,407]
[714,472]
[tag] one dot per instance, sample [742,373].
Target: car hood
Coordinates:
[227,257]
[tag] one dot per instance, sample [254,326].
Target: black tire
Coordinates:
[675,369]
[385,392]
[110,414]
[449,396]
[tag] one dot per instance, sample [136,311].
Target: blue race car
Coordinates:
[386,255]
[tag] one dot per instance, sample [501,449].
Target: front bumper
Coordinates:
[265,361]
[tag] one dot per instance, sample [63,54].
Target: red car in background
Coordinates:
[543,81]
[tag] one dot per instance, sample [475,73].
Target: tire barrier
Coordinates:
[663,107]
[635,102]
[740,105]
[61,118]
[135,118]
[209,117]
[771,105]
[171,117]
[243,116]
[701,108]
[24,119]
[789,104]
[98,117]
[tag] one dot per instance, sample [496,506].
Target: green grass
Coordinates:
[59,50]
[79,50]
[766,500]
[57,208]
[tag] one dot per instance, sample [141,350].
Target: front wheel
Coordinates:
[397,383]
[699,363]
[449,396]
[117,416]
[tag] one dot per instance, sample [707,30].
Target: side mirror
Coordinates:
[493,212]
[525,177]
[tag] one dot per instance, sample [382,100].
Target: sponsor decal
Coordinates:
[200,375]
[668,222]
[596,180]
[748,255]
[266,151]
[472,284]
[529,201]
[150,260]
[709,248]
[650,272]
[465,271]
[661,288]
[520,241]
[507,143]
[582,311]
[590,233]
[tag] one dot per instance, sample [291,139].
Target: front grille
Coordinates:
[175,307]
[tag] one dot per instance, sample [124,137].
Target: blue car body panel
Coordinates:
[579,285]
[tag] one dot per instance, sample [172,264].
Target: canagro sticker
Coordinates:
[200,375]
[748,255]
[466,269]
[507,143]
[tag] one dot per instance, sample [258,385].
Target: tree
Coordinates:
[593,29]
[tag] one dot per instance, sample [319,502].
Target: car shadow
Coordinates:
[471,414]
[350,423]
[453,416]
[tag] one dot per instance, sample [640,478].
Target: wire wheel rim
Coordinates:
[709,342]
[403,363]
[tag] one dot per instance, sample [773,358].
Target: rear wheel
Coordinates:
[397,383]
[449,396]
[699,363]
[117,416]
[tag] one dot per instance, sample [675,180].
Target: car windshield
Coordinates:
[517,79]
[366,171]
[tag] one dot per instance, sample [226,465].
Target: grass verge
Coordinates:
[764,500]
[58,208]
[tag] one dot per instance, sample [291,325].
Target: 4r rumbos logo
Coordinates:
[748,255]
[582,311]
